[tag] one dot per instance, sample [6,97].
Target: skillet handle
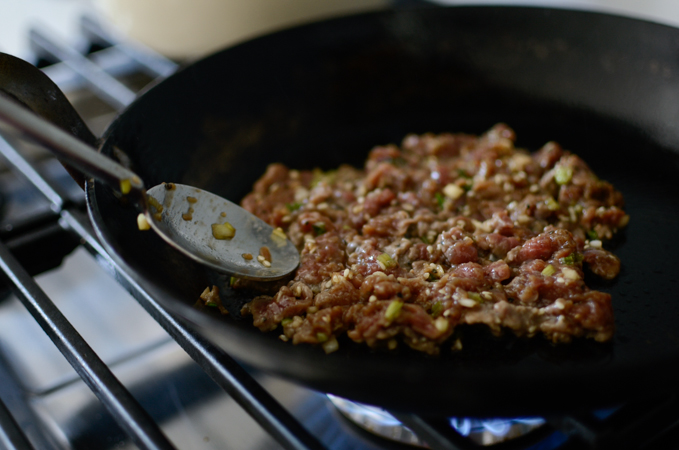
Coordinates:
[30,86]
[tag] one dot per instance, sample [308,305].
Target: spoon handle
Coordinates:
[72,150]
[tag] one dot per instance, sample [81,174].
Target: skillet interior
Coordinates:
[321,95]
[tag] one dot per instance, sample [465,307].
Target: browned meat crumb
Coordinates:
[210,297]
[445,230]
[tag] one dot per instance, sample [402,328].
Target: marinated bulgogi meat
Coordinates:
[445,230]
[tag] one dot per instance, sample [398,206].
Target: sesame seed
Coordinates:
[570,274]
[278,232]
[453,191]
[441,324]
[467,302]
[523,219]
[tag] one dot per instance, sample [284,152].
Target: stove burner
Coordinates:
[377,421]
[493,431]
[480,431]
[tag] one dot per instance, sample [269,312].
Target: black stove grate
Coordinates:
[54,231]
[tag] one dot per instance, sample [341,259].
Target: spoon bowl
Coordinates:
[218,233]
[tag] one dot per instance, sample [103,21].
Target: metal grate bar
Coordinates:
[129,414]
[629,427]
[11,436]
[105,86]
[28,170]
[226,372]
[149,61]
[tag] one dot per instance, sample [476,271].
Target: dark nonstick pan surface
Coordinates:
[605,87]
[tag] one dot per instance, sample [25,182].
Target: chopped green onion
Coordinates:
[125,186]
[294,206]
[393,310]
[321,337]
[475,296]
[223,231]
[232,281]
[425,240]
[462,173]
[440,199]
[386,261]
[319,228]
[592,235]
[437,309]
[549,271]
[211,303]
[286,321]
[552,204]
[318,175]
[563,175]
[573,258]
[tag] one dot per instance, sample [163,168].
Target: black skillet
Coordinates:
[605,87]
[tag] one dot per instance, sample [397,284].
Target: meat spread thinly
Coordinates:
[445,230]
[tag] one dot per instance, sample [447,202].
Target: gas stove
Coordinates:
[89,360]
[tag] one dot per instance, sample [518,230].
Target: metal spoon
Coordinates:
[190,219]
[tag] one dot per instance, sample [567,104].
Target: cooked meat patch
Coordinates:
[442,231]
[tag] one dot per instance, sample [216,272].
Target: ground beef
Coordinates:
[445,230]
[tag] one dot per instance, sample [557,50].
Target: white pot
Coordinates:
[187,29]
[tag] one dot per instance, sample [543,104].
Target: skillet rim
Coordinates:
[211,327]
